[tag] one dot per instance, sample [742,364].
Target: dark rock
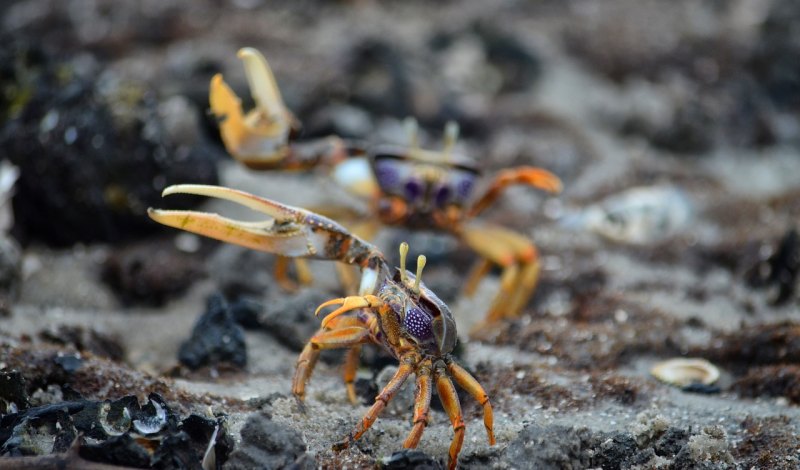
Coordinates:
[290,319]
[100,149]
[202,430]
[701,388]
[12,391]
[10,273]
[175,452]
[242,272]
[409,459]
[117,450]
[616,452]
[215,338]
[669,444]
[151,273]
[775,61]
[267,445]
[247,311]
[780,271]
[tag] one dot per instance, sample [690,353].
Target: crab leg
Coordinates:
[388,392]
[449,399]
[349,372]
[531,176]
[468,383]
[304,276]
[422,405]
[326,339]
[303,369]
[519,259]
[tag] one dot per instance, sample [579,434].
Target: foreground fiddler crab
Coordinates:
[393,308]
[406,185]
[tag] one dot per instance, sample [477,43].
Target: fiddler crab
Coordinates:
[406,185]
[393,309]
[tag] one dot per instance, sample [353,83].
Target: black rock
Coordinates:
[216,337]
[290,319]
[12,390]
[781,271]
[117,450]
[411,460]
[92,156]
[151,273]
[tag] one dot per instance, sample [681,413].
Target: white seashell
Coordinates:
[685,371]
[636,216]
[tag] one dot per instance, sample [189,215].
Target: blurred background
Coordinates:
[674,125]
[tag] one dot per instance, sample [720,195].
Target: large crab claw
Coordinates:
[289,231]
[260,137]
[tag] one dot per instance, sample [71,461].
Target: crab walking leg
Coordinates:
[422,405]
[528,278]
[527,175]
[349,372]
[468,383]
[303,369]
[344,332]
[518,257]
[388,392]
[481,269]
[449,399]
[282,277]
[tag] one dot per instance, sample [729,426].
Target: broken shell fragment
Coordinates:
[685,371]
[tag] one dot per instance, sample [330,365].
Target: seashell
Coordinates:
[685,371]
[636,216]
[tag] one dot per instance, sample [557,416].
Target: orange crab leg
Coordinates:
[422,405]
[528,175]
[308,358]
[349,372]
[481,269]
[518,257]
[449,399]
[468,383]
[302,371]
[304,276]
[388,392]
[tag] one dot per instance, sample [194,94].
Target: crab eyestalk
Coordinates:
[451,131]
[403,255]
[412,132]
[421,260]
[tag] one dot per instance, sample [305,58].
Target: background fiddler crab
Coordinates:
[393,308]
[406,186]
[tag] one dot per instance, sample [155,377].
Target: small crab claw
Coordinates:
[527,175]
[290,231]
[348,304]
